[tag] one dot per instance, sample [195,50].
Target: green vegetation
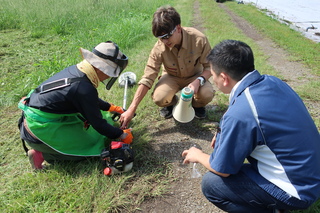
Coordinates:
[39,38]
[300,48]
[44,36]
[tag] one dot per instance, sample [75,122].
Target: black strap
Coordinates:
[108,57]
[122,62]
[20,125]
[24,146]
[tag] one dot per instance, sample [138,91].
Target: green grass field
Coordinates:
[39,38]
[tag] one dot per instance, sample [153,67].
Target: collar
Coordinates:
[85,67]
[241,85]
[184,38]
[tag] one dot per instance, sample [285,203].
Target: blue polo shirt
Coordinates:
[268,124]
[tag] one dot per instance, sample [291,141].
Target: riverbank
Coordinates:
[302,16]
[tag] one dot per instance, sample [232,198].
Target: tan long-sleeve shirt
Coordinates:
[188,61]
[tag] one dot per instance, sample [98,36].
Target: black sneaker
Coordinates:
[166,112]
[200,112]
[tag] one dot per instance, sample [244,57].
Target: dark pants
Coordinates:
[238,193]
[50,155]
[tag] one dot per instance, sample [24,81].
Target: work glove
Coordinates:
[126,136]
[116,109]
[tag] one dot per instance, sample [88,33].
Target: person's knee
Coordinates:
[205,184]
[210,182]
[203,97]
[163,100]
[160,101]
[208,96]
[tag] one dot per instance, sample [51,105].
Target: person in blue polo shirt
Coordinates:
[266,124]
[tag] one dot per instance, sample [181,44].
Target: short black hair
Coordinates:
[233,57]
[165,19]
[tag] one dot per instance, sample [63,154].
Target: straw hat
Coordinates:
[107,57]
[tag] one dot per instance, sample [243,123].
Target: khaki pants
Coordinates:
[165,90]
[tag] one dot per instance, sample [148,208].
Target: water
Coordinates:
[302,14]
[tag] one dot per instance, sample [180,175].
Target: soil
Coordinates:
[171,137]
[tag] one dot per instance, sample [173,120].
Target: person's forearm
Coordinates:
[195,155]
[139,95]
[206,74]
[204,160]
[126,117]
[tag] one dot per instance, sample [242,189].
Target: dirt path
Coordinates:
[294,73]
[278,58]
[171,137]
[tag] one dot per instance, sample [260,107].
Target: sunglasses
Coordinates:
[168,35]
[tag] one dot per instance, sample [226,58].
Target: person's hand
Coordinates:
[125,118]
[116,109]
[194,85]
[126,136]
[191,155]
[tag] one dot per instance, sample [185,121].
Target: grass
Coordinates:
[51,33]
[39,38]
[300,48]
[42,38]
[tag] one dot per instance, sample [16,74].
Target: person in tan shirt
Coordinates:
[181,54]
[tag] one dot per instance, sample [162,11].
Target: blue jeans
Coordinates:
[238,193]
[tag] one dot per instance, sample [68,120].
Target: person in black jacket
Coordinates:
[64,119]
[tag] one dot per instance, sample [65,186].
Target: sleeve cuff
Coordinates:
[146,82]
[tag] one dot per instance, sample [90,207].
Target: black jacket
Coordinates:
[79,97]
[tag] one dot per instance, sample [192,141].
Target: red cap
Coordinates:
[116,144]
[107,171]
